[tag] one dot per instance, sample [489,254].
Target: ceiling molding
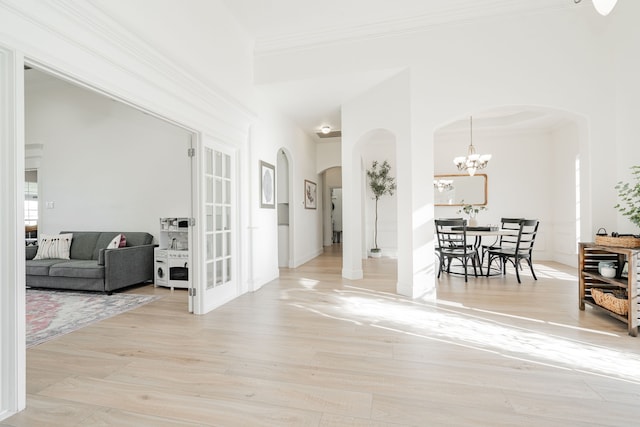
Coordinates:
[117,44]
[477,11]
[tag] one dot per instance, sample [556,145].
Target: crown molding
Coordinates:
[473,12]
[110,42]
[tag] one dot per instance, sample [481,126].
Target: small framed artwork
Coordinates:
[310,195]
[267,185]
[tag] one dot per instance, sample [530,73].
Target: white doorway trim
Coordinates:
[12,248]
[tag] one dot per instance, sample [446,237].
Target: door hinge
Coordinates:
[191,152]
[192,222]
[192,292]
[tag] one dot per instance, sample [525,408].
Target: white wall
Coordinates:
[76,39]
[328,155]
[457,70]
[624,42]
[273,132]
[105,165]
[562,233]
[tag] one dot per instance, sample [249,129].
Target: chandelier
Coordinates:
[443,185]
[473,161]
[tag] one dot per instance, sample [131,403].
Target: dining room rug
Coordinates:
[52,313]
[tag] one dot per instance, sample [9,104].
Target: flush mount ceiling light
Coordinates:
[604,7]
[327,132]
[473,161]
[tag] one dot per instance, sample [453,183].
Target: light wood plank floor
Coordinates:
[314,349]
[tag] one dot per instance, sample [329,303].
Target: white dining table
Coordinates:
[479,234]
[486,231]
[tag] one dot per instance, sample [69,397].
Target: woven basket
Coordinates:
[619,242]
[610,301]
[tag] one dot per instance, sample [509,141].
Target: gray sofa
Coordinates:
[91,266]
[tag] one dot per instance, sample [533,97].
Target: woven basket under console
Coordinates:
[610,301]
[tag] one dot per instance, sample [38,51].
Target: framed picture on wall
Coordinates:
[310,194]
[267,185]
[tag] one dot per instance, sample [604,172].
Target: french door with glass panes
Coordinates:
[218,231]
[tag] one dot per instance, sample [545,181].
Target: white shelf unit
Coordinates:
[173,255]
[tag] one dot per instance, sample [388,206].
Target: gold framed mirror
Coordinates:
[458,190]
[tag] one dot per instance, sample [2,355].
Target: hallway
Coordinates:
[314,349]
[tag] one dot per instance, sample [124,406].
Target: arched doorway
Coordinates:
[359,206]
[285,216]
[520,140]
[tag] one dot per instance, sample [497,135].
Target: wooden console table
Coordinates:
[589,256]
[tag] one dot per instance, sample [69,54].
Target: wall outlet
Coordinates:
[50,205]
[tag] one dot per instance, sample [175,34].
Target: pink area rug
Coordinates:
[51,313]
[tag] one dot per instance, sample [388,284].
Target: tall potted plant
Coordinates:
[380,183]
[629,204]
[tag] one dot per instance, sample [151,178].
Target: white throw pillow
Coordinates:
[115,243]
[54,246]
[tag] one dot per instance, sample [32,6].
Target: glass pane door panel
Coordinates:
[218,245]
[209,161]
[210,275]
[227,192]
[210,218]
[217,226]
[219,273]
[219,218]
[227,166]
[218,171]
[210,254]
[209,195]
[228,270]
[218,194]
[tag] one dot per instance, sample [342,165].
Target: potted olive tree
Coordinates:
[380,183]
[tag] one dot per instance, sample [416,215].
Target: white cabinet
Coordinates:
[173,256]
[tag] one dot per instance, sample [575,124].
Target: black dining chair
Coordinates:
[437,248]
[522,249]
[510,227]
[452,244]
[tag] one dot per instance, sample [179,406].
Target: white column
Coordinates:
[416,256]
[351,212]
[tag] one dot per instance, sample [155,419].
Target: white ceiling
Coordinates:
[316,102]
[510,119]
[278,25]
